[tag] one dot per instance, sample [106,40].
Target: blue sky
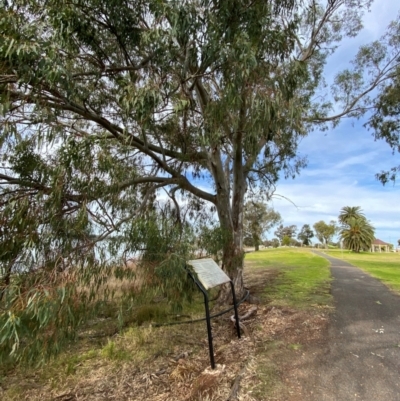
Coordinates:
[342,162]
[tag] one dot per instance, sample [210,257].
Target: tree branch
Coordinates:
[115,70]
[38,186]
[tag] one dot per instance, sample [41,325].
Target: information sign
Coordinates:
[209,273]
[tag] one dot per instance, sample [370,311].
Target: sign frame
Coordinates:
[207,274]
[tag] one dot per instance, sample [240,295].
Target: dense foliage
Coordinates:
[111,110]
[356,232]
[347,212]
[386,121]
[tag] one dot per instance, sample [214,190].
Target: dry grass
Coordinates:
[171,363]
[133,283]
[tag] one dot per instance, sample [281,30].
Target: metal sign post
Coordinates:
[210,275]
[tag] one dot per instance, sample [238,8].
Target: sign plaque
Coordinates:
[209,273]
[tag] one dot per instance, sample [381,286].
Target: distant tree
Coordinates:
[324,231]
[305,234]
[348,212]
[294,242]
[258,218]
[274,242]
[288,231]
[357,234]
[398,242]
[286,240]
[248,241]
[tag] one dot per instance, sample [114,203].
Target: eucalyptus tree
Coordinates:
[259,218]
[325,232]
[305,234]
[285,231]
[105,103]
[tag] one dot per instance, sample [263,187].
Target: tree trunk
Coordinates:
[233,254]
[232,263]
[230,205]
[256,240]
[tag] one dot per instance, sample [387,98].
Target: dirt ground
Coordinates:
[265,364]
[262,363]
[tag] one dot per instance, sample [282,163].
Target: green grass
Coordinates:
[303,278]
[383,266]
[299,279]
[287,277]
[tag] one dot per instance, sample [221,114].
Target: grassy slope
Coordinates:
[303,278]
[299,280]
[383,266]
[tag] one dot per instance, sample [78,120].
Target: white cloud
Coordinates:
[323,201]
[343,162]
[362,159]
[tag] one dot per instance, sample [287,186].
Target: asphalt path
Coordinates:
[361,359]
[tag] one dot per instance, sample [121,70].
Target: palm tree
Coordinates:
[357,234]
[348,212]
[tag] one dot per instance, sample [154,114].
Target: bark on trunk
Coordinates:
[233,254]
[230,203]
[233,265]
